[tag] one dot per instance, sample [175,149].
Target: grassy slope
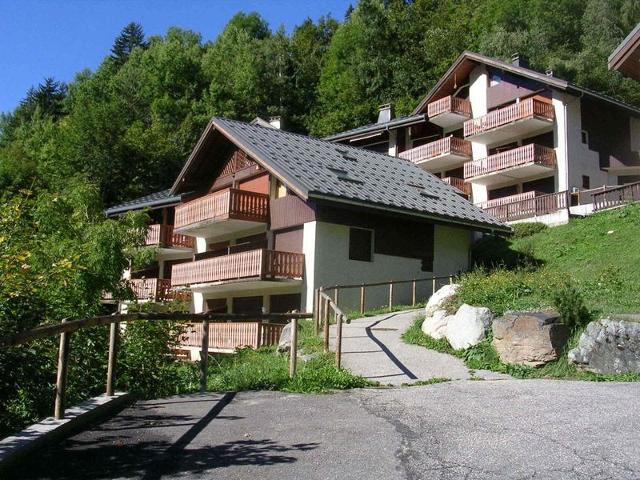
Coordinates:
[599,254]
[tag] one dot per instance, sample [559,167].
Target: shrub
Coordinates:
[570,304]
[521,230]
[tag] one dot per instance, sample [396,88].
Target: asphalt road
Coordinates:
[466,429]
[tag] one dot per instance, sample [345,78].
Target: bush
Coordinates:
[570,304]
[521,230]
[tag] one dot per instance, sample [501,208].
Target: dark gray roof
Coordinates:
[319,169]
[156,199]
[378,127]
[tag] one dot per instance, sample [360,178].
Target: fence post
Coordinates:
[450,279]
[293,351]
[204,356]
[413,293]
[339,341]
[433,285]
[362,299]
[326,325]
[61,378]
[316,310]
[336,296]
[114,330]
[390,295]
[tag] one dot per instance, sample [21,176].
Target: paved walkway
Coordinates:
[489,430]
[372,347]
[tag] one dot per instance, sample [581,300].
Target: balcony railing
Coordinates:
[496,202]
[444,146]
[616,196]
[229,204]
[233,335]
[534,206]
[459,184]
[527,155]
[158,289]
[449,104]
[529,108]
[163,236]
[262,264]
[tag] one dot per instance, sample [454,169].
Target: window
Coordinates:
[360,244]
[494,79]
[585,181]
[584,136]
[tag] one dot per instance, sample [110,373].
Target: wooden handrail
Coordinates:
[529,108]
[527,154]
[449,104]
[531,207]
[163,236]
[442,146]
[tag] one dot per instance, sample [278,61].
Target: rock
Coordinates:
[529,338]
[436,325]
[440,297]
[467,327]
[609,346]
[284,344]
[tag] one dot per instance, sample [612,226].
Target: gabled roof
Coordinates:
[321,170]
[626,57]
[374,128]
[153,200]
[467,60]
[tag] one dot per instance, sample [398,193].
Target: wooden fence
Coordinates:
[616,196]
[66,327]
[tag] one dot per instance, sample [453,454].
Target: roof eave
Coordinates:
[168,202]
[378,128]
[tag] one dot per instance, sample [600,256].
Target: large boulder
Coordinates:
[529,338]
[609,346]
[439,298]
[436,325]
[467,327]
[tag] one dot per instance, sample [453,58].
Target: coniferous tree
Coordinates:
[131,37]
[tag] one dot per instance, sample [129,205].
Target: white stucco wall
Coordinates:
[326,248]
[478,79]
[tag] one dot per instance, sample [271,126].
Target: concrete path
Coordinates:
[372,347]
[510,429]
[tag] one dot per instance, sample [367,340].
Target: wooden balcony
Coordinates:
[157,289]
[228,211]
[446,153]
[616,196]
[527,205]
[458,184]
[496,202]
[449,111]
[528,117]
[519,163]
[258,264]
[162,236]
[229,336]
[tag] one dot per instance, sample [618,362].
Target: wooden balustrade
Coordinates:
[259,263]
[230,336]
[525,155]
[459,184]
[529,108]
[534,206]
[616,196]
[163,236]
[509,199]
[449,104]
[443,146]
[224,205]
[158,289]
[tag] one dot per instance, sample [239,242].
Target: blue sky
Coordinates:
[41,38]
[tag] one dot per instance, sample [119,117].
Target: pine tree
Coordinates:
[131,37]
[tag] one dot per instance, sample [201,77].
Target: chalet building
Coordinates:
[626,58]
[522,145]
[271,215]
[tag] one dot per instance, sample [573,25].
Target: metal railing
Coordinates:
[529,108]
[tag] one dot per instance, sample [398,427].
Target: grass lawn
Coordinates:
[485,357]
[265,369]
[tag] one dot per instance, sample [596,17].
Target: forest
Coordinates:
[125,130]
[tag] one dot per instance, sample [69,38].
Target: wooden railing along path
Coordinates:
[529,108]
[325,306]
[224,205]
[66,327]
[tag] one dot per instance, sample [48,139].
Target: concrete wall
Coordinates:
[479,81]
[326,247]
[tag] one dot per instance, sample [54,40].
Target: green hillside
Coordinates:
[599,256]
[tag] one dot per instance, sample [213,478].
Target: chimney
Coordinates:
[519,60]
[275,122]
[385,113]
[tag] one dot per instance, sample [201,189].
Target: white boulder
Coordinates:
[467,327]
[440,297]
[436,325]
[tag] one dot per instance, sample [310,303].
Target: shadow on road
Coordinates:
[134,445]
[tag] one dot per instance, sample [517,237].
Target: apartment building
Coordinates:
[272,215]
[520,144]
